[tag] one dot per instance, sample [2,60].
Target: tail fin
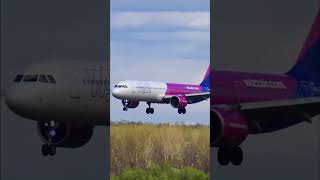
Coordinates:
[206,80]
[307,67]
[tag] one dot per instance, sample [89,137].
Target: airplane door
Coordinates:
[75,97]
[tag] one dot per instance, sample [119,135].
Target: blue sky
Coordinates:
[160,40]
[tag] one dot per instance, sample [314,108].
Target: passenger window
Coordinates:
[30,78]
[18,78]
[51,79]
[43,78]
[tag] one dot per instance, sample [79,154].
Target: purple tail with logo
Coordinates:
[307,67]
[206,80]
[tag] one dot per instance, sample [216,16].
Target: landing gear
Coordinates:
[149,110]
[233,155]
[223,156]
[125,103]
[236,156]
[182,110]
[48,148]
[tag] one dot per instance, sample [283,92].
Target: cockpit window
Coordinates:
[120,86]
[18,78]
[43,78]
[30,78]
[51,79]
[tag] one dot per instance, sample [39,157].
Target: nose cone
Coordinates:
[14,100]
[116,93]
[20,101]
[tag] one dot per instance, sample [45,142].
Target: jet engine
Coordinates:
[130,104]
[65,135]
[228,128]
[179,101]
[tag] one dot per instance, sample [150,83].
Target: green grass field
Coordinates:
[164,172]
[147,148]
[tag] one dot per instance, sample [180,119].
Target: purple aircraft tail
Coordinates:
[206,80]
[307,67]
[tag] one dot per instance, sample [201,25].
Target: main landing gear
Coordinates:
[48,148]
[233,155]
[149,110]
[182,110]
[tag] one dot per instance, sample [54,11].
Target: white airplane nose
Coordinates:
[11,100]
[16,101]
[115,93]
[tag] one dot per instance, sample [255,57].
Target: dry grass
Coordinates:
[141,145]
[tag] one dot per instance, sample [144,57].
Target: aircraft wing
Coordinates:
[269,116]
[309,106]
[192,98]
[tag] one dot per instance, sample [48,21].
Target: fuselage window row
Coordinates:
[34,78]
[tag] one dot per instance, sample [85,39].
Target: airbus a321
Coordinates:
[178,95]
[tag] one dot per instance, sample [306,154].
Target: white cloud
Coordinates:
[161,19]
[197,36]
[158,69]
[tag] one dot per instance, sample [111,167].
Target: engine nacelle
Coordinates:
[66,135]
[178,101]
[130,104]
[228,128]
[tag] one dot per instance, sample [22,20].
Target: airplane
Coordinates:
[131,92]
[66,99]
[254,103]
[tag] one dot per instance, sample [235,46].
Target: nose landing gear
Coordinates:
[125,104]
[48,148]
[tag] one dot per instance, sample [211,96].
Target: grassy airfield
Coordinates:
[162,150]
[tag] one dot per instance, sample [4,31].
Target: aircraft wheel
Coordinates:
[237,156]
[52,150]
[223,156]
[179,111]
[125,109]
[151,110]
[45,149]
[148,110]
[184,110]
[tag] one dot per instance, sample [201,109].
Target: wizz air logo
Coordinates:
[192,88]
[98,82]
[265,84]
